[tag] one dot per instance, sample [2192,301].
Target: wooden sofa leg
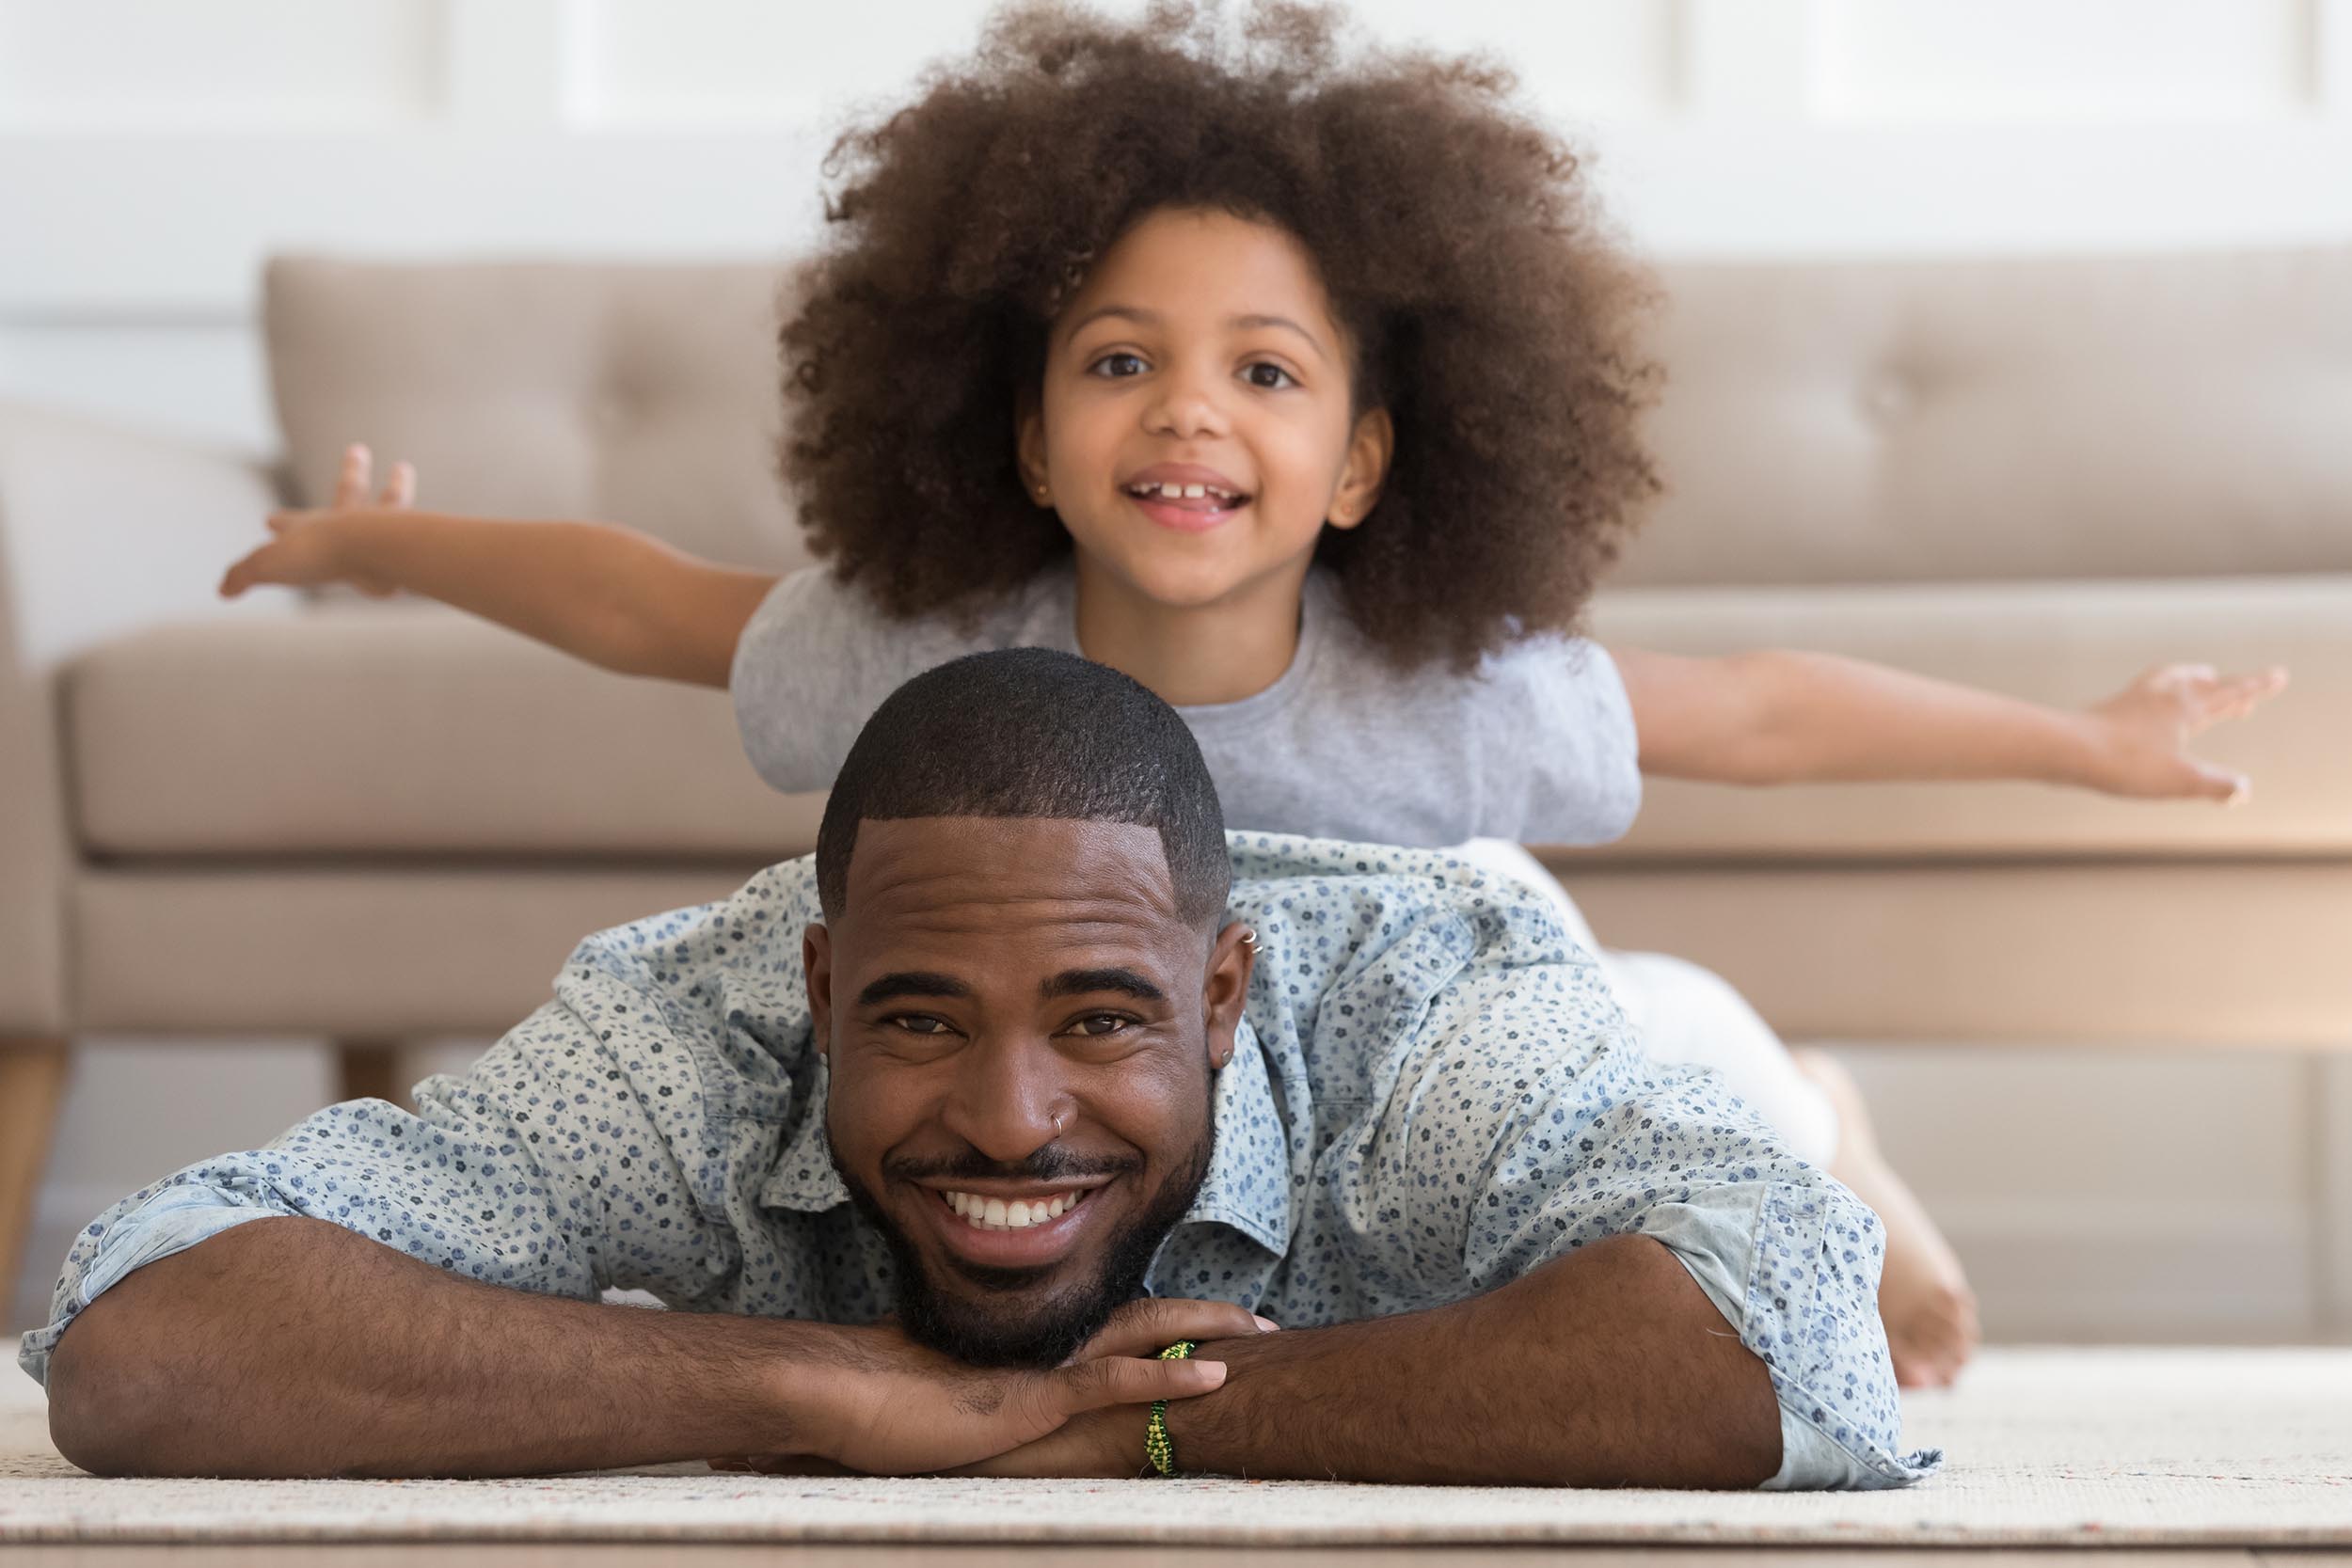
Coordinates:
[370,1070]
[32,1089]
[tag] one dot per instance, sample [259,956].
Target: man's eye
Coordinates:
[1271,378]
[918,1023]
[1117,366]
[1094,1026]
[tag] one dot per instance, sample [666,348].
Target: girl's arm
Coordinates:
[603,594]
[1799,718]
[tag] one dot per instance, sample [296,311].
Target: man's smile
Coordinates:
[1011,1228]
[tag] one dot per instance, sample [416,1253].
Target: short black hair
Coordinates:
[1029,732]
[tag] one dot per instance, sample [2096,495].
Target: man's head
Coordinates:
[1024,992]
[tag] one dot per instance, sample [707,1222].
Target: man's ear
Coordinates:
[817,970]
[1230,961]
[1367,468]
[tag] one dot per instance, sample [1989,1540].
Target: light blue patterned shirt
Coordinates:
[1433,1094]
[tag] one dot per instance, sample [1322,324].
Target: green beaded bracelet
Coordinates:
[1156,1448]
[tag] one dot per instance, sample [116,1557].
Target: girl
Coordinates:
[1296,383]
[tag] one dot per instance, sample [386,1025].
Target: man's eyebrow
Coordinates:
[911,982]
[1240,323]
[1084,982]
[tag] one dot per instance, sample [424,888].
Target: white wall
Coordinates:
[152,152]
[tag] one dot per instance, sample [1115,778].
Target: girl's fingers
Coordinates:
[351,485]
[401,488]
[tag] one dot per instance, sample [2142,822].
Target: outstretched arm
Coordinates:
[612,596]
[1801,718]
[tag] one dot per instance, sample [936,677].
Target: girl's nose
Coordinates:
[1188,411]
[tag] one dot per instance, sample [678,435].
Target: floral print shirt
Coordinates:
[1433,1094]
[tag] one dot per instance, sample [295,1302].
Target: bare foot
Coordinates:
[1924,1299]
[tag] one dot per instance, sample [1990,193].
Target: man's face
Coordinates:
[1023,1036]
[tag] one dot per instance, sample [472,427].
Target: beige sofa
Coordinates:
[378,822]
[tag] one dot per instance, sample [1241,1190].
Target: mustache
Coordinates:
[1049,1164]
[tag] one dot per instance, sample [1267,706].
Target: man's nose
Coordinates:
[1005,1098]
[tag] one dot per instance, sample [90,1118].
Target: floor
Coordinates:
[572,1555]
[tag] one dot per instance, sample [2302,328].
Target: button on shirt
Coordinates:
[1432,1095]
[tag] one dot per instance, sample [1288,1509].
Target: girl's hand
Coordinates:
[2140,736]
[310,548]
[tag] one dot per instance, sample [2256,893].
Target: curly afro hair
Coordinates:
[1455,235]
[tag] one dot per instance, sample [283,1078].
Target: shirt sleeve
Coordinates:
[1554,730]
[553,1165]
[1492,1167]
[814,662]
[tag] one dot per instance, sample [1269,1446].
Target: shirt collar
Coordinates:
[1248,1186]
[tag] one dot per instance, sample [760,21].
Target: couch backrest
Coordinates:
[1823,422]
[636,394]
[2152,417]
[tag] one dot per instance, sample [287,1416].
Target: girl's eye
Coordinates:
[1259,375]
[1095,1025]
[1112,366]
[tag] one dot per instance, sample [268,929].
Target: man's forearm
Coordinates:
[607,595]
[1606,1367]
[292,1347]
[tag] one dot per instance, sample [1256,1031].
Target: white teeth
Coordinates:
[991,1213]
[1194,491]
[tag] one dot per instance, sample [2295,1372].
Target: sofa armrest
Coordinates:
[101,531]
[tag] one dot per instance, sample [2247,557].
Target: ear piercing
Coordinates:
[1250,938]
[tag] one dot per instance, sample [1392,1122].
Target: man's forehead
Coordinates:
[931,870]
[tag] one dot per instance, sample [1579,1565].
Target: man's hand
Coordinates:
[307,546]
[916,1411]
[2140,736]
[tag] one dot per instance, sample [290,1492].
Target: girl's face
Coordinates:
[1195,431]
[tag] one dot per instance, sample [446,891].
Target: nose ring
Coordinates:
[1057,1124]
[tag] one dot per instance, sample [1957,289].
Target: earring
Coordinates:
[1250,938]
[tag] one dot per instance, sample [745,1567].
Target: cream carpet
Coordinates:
[2174,1447]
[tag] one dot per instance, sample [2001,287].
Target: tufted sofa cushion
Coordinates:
[644,395]
[2158,417]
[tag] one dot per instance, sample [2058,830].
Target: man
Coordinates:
[906,1133]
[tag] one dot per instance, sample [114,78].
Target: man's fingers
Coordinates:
[351,485]
[1144,1328]
[1125,1380]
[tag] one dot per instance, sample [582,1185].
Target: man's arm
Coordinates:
[603,594]
[1606,1367]
[292,1347]
[1772,718]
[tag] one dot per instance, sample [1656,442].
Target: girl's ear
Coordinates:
[1367,454]
[1028,445]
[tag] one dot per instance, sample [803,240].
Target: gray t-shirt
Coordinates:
[1536,744]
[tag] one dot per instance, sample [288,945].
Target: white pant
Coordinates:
[1684,1013]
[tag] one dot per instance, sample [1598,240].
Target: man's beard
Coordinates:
[1022,1332]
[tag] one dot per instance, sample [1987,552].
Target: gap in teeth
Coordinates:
[993,1213]
[1183,492]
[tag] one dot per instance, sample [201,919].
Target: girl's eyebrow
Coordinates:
[1233,323]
